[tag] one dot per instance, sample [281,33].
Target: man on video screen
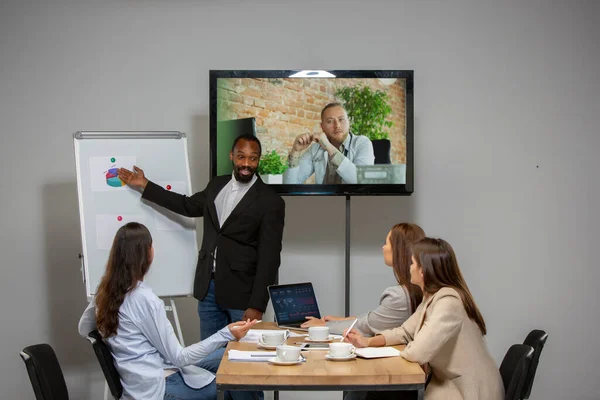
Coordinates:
[332,155]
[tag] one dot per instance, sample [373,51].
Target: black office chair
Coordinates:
[107,363]
[381,151]
[44,371]
[514,369]
[536,339]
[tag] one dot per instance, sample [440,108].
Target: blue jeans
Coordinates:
[176,389]
[212,317]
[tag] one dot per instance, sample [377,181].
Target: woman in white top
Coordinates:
[132,319]
[397,302]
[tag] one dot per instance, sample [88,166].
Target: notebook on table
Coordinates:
[292,303]
[377,352]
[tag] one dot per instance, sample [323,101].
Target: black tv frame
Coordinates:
[323,189]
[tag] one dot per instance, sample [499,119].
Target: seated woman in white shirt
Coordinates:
[397,302]
[132,320]
[446,333]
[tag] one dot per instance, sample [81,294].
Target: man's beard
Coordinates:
[337,141]
[243,178]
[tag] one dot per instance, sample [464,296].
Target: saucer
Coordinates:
[308,339]
[330,358]
[277,361]
[263,345]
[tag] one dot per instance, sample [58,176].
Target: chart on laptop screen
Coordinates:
[294,302]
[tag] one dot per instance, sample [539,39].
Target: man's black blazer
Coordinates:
[249,242]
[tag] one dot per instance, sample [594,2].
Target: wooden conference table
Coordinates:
[317,373]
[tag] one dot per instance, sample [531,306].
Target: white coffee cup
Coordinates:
[340,349]
[288,353]
[318,333]
[273,338]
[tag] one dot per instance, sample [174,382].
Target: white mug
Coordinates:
[340,349]
[318,332]
[288,353]
[273,338]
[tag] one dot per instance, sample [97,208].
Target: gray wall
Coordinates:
[506,132]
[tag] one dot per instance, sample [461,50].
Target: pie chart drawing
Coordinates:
[112,178]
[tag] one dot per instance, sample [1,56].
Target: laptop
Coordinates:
[293,303]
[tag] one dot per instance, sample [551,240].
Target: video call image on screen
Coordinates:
[293,304]
[369,132]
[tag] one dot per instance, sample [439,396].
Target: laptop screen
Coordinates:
[293,303]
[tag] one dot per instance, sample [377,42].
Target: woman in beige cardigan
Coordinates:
[446,332]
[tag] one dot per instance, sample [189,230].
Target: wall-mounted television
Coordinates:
[322,132]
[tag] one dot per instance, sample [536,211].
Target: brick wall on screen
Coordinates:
[286,108]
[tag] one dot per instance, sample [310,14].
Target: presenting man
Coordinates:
[331,155]
[241,246]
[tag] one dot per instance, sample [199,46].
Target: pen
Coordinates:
[271,355]
[349,329]
[237,326]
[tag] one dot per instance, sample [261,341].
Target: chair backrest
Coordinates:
[107,363]
[536,339]
[514,368]
[45,373]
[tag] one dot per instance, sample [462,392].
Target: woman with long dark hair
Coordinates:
[397,302]
[132,320]
[446,332]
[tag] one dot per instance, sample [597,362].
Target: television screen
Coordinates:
[322,132]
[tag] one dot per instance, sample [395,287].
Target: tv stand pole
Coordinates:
[347,264]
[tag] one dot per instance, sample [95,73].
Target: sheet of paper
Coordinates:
[166,220]
[377,352]
[103,172]
[295,334]
[253,356]
[107,226]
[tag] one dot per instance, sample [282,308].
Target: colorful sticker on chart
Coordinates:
[166,220]
[107,226]
[104,172]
